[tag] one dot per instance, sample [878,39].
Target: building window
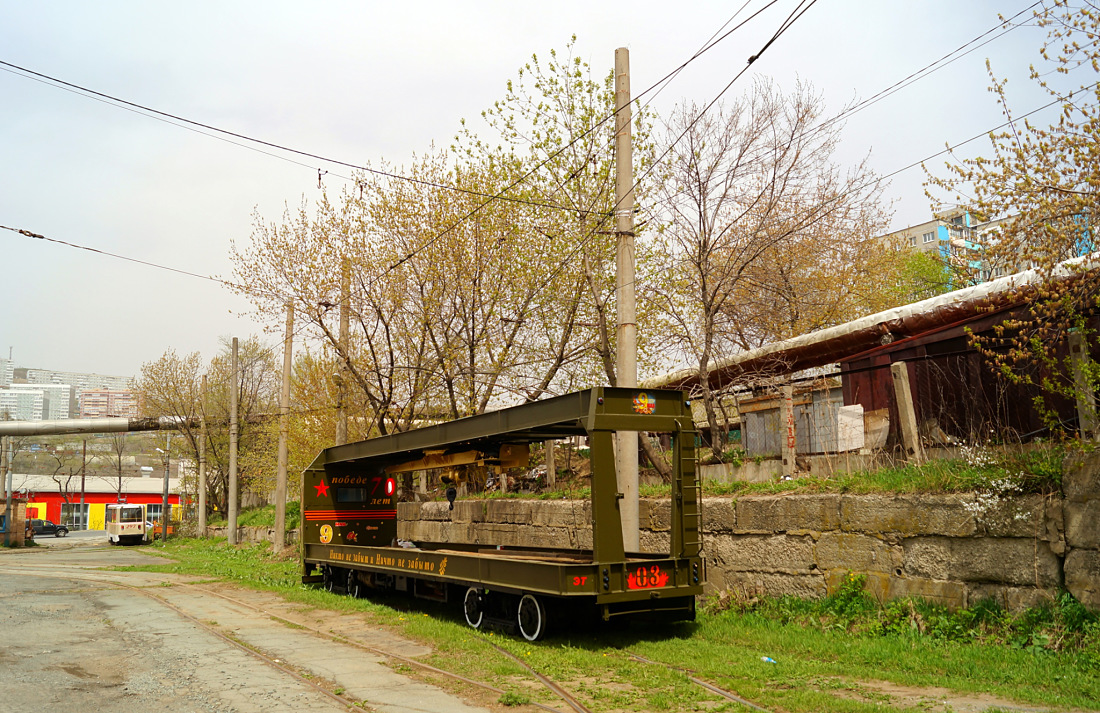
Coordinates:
[912,241]
[929,237]
[74,517]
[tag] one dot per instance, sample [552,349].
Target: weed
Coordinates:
[510,698]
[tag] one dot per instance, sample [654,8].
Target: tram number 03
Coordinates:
[647,578]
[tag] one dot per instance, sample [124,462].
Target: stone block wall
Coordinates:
[252,535]
[955,549]
[1081,486]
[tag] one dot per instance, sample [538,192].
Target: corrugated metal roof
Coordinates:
[826,346]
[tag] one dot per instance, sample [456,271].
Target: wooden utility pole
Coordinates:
[626,356]
[284,432]
[907,415]
[551,464]
[790,439]
[342,371]
[233,386]
[202,460]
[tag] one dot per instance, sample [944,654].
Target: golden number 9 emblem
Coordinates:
[326,534]
[645,403]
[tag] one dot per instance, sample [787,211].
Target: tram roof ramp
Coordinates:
[580,413]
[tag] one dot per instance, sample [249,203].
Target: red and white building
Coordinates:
[61,503]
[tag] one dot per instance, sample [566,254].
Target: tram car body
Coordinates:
[125,524]
[349,519]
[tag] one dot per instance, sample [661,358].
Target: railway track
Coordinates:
[57,571]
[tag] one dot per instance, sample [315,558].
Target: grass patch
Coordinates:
[264,517]
[989,469]
[822,650]
[979,469]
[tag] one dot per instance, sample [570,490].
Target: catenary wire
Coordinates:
[186,123]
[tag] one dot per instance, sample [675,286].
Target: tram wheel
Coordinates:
[329,575]
[354,586]
[473,606]
[531,617]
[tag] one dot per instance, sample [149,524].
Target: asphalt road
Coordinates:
[72,639]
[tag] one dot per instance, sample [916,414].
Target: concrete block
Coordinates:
[1019,561]
[876,584]
[408,511]
[764,553]
[718,515]
[907,515]
[1082,523]
[655,542]
[842,551]
[950,594]
[1011,598]
[1081,477]
[435,511]
[1083,576]
[749,584]
[505,534]
[784,513]
[468,511]
[655,515]
[508,511]
[1013,517]
[748,472]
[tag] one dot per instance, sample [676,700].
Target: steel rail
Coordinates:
[700,682]
[327,635]
[380,652]
[561,692]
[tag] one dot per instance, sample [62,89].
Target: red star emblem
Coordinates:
[322,490]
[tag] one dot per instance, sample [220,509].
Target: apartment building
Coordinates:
[960,242]
[21,405]
[96,403]
[56,398]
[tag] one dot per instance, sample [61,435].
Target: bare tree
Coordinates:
[756,211]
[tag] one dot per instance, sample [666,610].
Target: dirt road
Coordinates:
[70,641]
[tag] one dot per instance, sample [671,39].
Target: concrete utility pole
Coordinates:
[284,432]
[7,490]
[233,448]
[83,469]
[164,502]
[202,459]
[626,356]
[342,382]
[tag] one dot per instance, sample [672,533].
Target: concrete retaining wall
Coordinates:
[955,549]
[252,534]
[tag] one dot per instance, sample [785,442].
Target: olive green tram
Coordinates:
[349,517]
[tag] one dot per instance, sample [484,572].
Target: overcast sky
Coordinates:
[366,82]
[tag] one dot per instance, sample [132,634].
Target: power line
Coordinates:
[189,123]
[925,71]
[932,67]
[185,123]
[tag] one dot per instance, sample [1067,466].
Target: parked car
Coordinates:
[45,527]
